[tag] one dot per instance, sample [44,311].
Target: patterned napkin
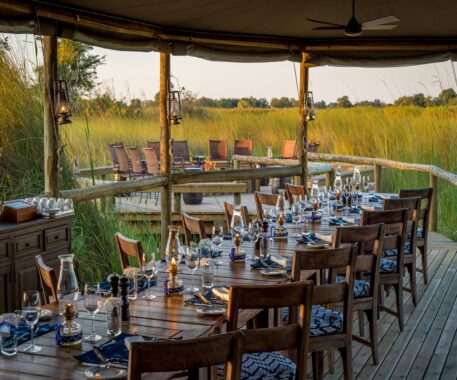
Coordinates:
[265,263]
[310,238]
[105,289]
[209,297]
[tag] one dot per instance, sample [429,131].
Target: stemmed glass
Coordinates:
[92,303]
[217,238]
[296,218]
[346,195]
[365,184]
[192,261]
[253,236]
[31,307]
[150,270]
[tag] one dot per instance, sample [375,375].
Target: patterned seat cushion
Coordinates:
[393,252]
[325,321]
[264,365]
[361,287]
[420,233]
[388,266]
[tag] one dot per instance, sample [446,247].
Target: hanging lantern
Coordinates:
[310,112]
[175,107]
[62,105]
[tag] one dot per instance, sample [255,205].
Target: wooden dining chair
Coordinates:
[264,199]
[181,156]
[330,329]
[396,222]
[294,190]
[218,151]
[288,149]
[135,162]
[48,281]
[242,147]
[152,163]
[123,161]
[129,248]
[192,226]
[369,241]
[113,152]
[228,210]
[413,204]
[184,358]
[261,345]
[423,221]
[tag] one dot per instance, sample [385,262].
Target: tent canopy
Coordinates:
[248,30]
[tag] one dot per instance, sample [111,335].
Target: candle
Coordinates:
[173,269]
[281,219]
[237,239]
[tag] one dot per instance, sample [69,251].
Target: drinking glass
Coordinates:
[217,238]
[8,334]
[208,276]
[346,195]
[365,184]
[296,218]
[192,262]
[150,270]
[31,306]
[253,237]
[92,303]
[132,274]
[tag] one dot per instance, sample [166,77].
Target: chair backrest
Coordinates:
[293,336]
[113,152]
[156,146]
[129,248]
[152,163]
[181,150]
[228,210]
[264,199]
[187,355]
[135,160]
[413,205]
[218,150]
[332,259]
[313,147]
[296,190]
[242,147]
[123,160]
[48,280]
[288,149]
[192,226]
[426,199]
[369,241]
[396,225]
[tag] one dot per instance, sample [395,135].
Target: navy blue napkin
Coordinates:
[40,329]
[356,209]
[209,296]
[265,263]
[374,198]
[310,238]
[105,289]
[336,221]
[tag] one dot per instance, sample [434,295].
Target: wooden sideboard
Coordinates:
[19,244]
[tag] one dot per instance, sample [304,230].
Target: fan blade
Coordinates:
[380,27]
[388,20]
[330,28]
[323,22]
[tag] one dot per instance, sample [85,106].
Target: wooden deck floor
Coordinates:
[427,348]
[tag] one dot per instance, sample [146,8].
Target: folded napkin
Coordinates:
[113,350]
[285,262]
[310,238]
[105,289]
[267,262]
[216,296]
[356,209]
[374,198]
[40,329]
[336,221]
[371,208]
[207,250]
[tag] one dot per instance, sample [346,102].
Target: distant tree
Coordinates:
[281,102]
[244,103]
[227,103]
[344,102]
[418,100]
[206,102]
[320,104]
[445,97]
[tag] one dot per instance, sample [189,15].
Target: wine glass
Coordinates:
[365,184]
[192,261]
[296,218]
[150,270]
[217,238]
[92,303]
[31,306]
[346,195]
[253,234]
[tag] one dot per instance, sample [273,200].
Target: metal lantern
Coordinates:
[174,102]
[62,105]
[310,112]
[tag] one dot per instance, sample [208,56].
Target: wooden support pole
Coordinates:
[165,149]
[51,133]
[434,203]
[177,202]
[303,124]
[378,177]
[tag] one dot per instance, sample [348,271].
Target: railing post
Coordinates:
[177,202]
[330,177]
[433,180]
[378,177]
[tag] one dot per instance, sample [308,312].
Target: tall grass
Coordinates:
[410,134]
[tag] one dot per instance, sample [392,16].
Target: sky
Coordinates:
[136,75]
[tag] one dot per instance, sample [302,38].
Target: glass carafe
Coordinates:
[173,248]
[280,203]
[338,183]
[315,190]
[237,223]
[67,286]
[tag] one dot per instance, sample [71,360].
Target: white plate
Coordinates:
[105,373]
[273,272]
[211,310]
[318,245]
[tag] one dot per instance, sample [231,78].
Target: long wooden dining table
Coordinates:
[163,317]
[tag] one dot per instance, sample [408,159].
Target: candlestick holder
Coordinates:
[173,286]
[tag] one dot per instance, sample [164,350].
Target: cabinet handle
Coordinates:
[27,244]
[56,237]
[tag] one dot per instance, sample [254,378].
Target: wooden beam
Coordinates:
[303,124]
[165,149]
[433,180]
[51,133]
[264,161]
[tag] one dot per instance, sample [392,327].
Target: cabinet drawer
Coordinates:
[29,243]
[4,252]
[56,236]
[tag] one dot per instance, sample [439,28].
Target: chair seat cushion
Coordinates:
[388,266]
[361,287]
[325,321]
[264,365]
[393,252]
[420,233]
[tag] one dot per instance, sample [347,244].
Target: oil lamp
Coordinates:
[174,104]
[310,112]
[62,107]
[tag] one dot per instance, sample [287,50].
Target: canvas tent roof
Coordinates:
[248,30]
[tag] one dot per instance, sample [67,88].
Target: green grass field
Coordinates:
[409,134]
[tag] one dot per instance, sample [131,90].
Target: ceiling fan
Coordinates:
[354,28]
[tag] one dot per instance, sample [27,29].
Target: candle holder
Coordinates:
[280,232]
[173,286]
[236,253]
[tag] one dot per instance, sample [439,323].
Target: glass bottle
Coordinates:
[315,190]
[173,247]
[338,183]
[67,285]
[237,223]
[69,332]
[280,203]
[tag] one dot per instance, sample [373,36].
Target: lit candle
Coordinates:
[173,269]
[237,239]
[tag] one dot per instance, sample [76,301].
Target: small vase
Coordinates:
[67,285]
